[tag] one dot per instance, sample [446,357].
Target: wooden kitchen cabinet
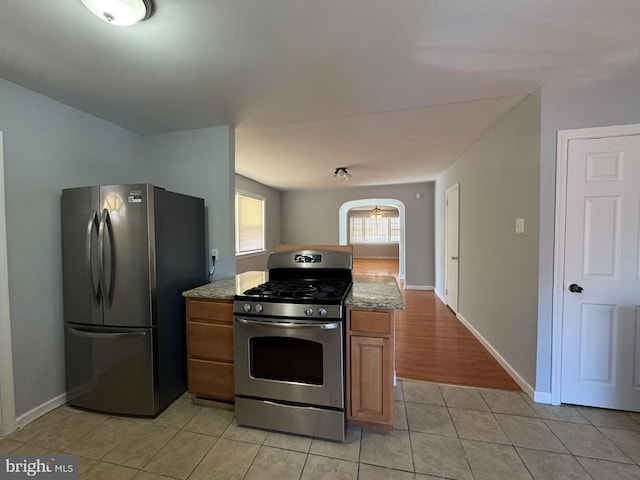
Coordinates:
[210,348]
[370,349]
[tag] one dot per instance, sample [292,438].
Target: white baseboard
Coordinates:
[40,410]
[440,296]
[418,287]
[542,397]
[528,389]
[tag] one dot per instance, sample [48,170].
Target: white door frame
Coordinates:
[562,149]
[446,246]
[343,228]
[7,398]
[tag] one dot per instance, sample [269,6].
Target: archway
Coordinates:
[343,218]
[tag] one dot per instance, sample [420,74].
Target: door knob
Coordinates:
[575,288]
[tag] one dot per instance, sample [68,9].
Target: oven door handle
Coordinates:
[315,325]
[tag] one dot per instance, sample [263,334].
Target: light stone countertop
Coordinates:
[368,291]
[375,291]
[226,288]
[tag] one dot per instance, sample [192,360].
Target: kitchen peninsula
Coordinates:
[369,332]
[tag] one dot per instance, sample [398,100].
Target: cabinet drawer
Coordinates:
[203,310]
[210,341]
[211,379]
[370,322]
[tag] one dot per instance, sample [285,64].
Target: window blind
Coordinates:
[374,230]
[249,224]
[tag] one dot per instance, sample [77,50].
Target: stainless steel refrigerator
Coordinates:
[128,253]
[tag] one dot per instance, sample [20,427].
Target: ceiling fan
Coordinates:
[377,212]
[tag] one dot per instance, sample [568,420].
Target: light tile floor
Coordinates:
[441,431]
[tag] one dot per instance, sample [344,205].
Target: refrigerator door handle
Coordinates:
[90,334]
[91,224]
[104,227]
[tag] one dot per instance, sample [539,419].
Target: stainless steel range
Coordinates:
[289,343]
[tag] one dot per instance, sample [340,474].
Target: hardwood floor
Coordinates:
[432,344]
[372,266]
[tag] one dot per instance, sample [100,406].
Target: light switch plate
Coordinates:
[519,225]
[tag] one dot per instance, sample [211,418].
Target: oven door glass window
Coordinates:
[286,359]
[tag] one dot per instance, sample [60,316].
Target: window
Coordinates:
[374,230]
[249,223]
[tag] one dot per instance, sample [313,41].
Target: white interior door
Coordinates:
[452,203]
[601,299]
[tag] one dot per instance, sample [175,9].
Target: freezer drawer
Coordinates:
[111,370]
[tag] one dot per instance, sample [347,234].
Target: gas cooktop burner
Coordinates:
[299,289]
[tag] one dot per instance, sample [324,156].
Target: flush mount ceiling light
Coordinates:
[376,212]
[120,12]
[341,172]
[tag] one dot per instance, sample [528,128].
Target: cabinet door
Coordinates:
[371,398]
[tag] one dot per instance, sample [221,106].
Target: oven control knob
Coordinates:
[258,308]
[323,312]
[247,307]
[308,311]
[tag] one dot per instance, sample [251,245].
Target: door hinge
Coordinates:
[446,291]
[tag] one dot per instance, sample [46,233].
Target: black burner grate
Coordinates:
[299,289]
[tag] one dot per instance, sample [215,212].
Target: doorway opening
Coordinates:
[351,211]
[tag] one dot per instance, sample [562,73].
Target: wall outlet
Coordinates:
[214,253]
[519,225]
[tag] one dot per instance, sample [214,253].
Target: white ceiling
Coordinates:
[395,90]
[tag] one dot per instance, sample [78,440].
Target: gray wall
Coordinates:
[498,273]
[200,163]
[312,217]
[272,219]
[614,100]
[48,146]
